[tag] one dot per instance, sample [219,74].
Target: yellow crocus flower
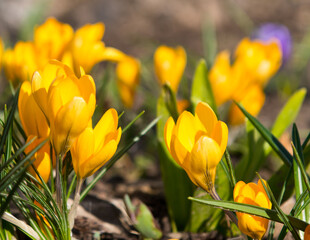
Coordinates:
[20,63]
[87,47]
[67,102]
[197,144]
[253,194]
[252,100]
[261,60]
[94,147]
[31,116]
[169,65]
[51,40]
[128,77]
[42,162]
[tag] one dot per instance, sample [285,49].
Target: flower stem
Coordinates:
[76,201]
[58,181]
[230,214]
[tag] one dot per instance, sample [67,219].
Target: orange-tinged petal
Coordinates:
[251,226]
[32,118]
[169,126]
[307,233]
[237,188]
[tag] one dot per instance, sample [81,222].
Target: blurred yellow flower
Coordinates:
[42,162]
[260,59]
[307,233]
[20,63]
[182,105]
[1,53]
[87,47]
[252,100]
[169,65]
[94,147]
[51,40]
[128,77]
[67,102]
[31,116]
[222,79]
[253,194]
[197,144]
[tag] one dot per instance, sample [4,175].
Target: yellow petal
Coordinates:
[206,117]
[185,130]
[113,54]
[237,188]
[205,156]
[178,151]
[97,161]
[107,124]
[70,121]
[220,135]
[169,126]
[252,226]
[82,149]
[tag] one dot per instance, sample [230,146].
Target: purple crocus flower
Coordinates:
[272,30]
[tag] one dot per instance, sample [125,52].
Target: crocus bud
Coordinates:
[94,147]
[253,194]
[197,144]
[169,65]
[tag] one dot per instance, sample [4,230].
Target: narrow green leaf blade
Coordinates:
[201,87]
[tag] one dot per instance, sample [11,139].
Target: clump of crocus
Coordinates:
[253,194]
[67,102]
[276,32]
[243,80]
[169,65]
[197,144]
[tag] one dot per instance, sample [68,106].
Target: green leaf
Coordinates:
[253,210]
[209,42]
[269,137]
[201,88]
[177,185]
[142,219]
[289,112]
[258,148]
